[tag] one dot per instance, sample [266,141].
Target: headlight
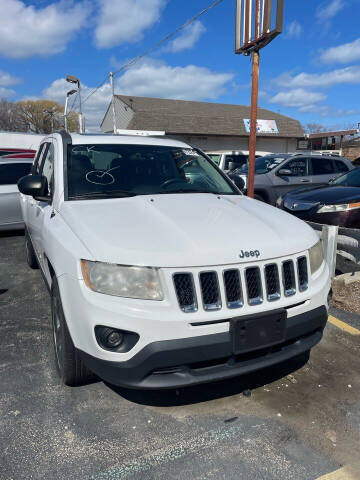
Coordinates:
[130,282]
[316,256]
[338,208]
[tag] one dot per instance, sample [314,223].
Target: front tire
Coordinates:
[70,367]
[30,252]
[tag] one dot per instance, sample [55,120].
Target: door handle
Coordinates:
[304,180]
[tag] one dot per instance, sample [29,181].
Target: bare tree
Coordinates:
[314,128]
[10,118]
[45,116]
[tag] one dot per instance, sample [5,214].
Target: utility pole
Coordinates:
[113,101]
[253,32]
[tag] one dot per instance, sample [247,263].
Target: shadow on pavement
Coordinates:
[211,391]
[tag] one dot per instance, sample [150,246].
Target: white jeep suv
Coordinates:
[162,274]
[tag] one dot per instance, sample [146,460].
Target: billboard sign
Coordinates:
[262,126]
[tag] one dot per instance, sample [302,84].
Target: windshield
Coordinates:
[116,170]
[350,179]
[263,164]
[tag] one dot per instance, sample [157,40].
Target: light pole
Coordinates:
[76,81]
[71,92]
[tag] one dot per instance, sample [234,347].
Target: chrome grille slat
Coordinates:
[289,278]
[185,291]
[233,289]
[303,275]
[253,285]
[272,282]
[210,290]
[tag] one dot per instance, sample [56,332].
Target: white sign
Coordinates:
[262,126]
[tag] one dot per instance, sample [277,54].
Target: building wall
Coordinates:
[227,143]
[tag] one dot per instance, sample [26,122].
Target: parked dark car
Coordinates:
[335,204]
[278,174]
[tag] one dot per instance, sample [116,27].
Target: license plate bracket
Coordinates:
[253,332]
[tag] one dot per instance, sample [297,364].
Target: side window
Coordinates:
[37,162]
[340,166]
[10,173]
[47,168]
[322,166]
[298,167]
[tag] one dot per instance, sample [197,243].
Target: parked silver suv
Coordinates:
[11,170]
[277,174]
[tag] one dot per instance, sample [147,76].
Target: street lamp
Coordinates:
[76,81]
[71,92]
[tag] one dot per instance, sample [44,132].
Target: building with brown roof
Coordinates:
[209,126]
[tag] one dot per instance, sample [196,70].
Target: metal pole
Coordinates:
[65,114]
[254,106]
[81,127]
[113,101]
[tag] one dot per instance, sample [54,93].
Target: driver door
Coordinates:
[299,168]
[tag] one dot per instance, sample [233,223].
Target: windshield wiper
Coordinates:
[103,194]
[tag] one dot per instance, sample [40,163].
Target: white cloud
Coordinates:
[124,21]
[187,39]
[157,79]
[346,53]
[294,30]
[298,98]
[328,10]
[151,78]
[348,75]
[28,31]
[7,80]
[6,92]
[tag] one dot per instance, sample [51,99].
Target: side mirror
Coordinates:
[239,182]
[232,166]
[285,172]
[34,185]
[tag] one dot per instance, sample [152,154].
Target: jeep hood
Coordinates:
[184,230]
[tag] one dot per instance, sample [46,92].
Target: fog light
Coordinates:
[110,337]
[114,339]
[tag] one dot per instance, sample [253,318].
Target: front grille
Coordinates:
[250,284]
[272,282]
[253,284]
[210,290]
[185,291]
[233,288]
[289,278]
[303,274]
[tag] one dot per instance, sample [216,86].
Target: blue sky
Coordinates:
[311,72]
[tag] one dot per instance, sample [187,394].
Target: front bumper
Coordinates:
[195,360]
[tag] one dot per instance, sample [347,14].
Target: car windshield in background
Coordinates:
[215,157]
[118,170]
[264,164]
[351,179]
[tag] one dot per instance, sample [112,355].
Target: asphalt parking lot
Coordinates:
[303,426]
